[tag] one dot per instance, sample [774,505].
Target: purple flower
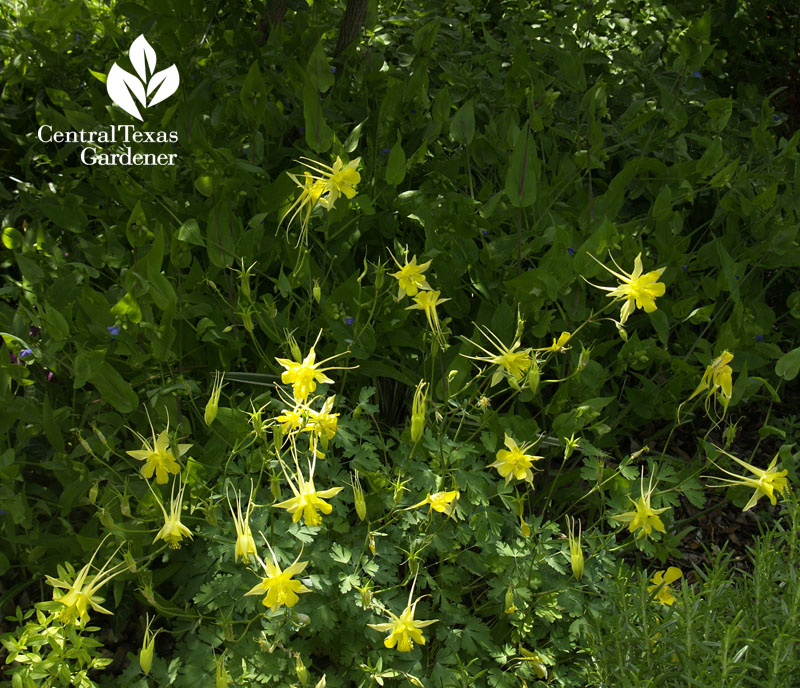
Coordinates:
[776,118]
[413,111]
[14,359]
[349,321]
[25,353]
[697,74]
[759,337]
[113,330]
[50,376]
[33,331]
[333,70]
[386,151]
[571,251]
[738,277]
[302,131]
[684,268]
[484,232]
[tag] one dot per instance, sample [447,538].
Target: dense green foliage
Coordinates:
[523,149]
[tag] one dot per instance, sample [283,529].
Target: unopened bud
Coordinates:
[509,605]
[418,412]
[379,276]
[213,403]
[584,358]
[275,486]
[148,648]
[93,493]
[294,348]
[222,674]
[316,292]
[247,320]
[366,595]
[358,497]
[300,670]
[534,375]
[575,551]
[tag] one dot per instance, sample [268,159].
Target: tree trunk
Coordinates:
[353,20]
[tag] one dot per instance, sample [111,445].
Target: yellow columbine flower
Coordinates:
[638,290]
[81,592]
[322,424]
[509,361]
[718,378]
[644,518]
[662,580]
[337,180]
[443,502]
[278,585]
[427,301]
[311,192]
[766,482]
[304,376]
[404,629]
[307,501]
[173,531]
[410,277]
[157,456]
[559,345]
[245,543]
[514,462]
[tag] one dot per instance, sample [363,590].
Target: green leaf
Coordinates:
[788,365]
[318,134]
[318,70]
[462,129]
[521,176]
[127,307]
[114,389]
[189,233]
[254,93]
[396,165]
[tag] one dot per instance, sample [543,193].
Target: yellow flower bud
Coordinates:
[575,551]
[300,670]
[358,497]
[534,375]
[294,349]
[93,493]
[509,605]
[213,403]
[275,486]
[418,412]
[222,674]
[584,358]
[148,648]
[316,292]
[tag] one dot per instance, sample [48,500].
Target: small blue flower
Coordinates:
[333,70]
[349,321]
[738,277]
[413,111]
[113,330]
[25,353]
[776,118]
[684,268]
[386,151]
[484,232]
[2,513]
[697,74]
[759,337]
[302,131]
[571,251]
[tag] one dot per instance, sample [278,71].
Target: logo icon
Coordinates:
[121,85]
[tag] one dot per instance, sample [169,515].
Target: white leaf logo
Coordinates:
[123,86]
